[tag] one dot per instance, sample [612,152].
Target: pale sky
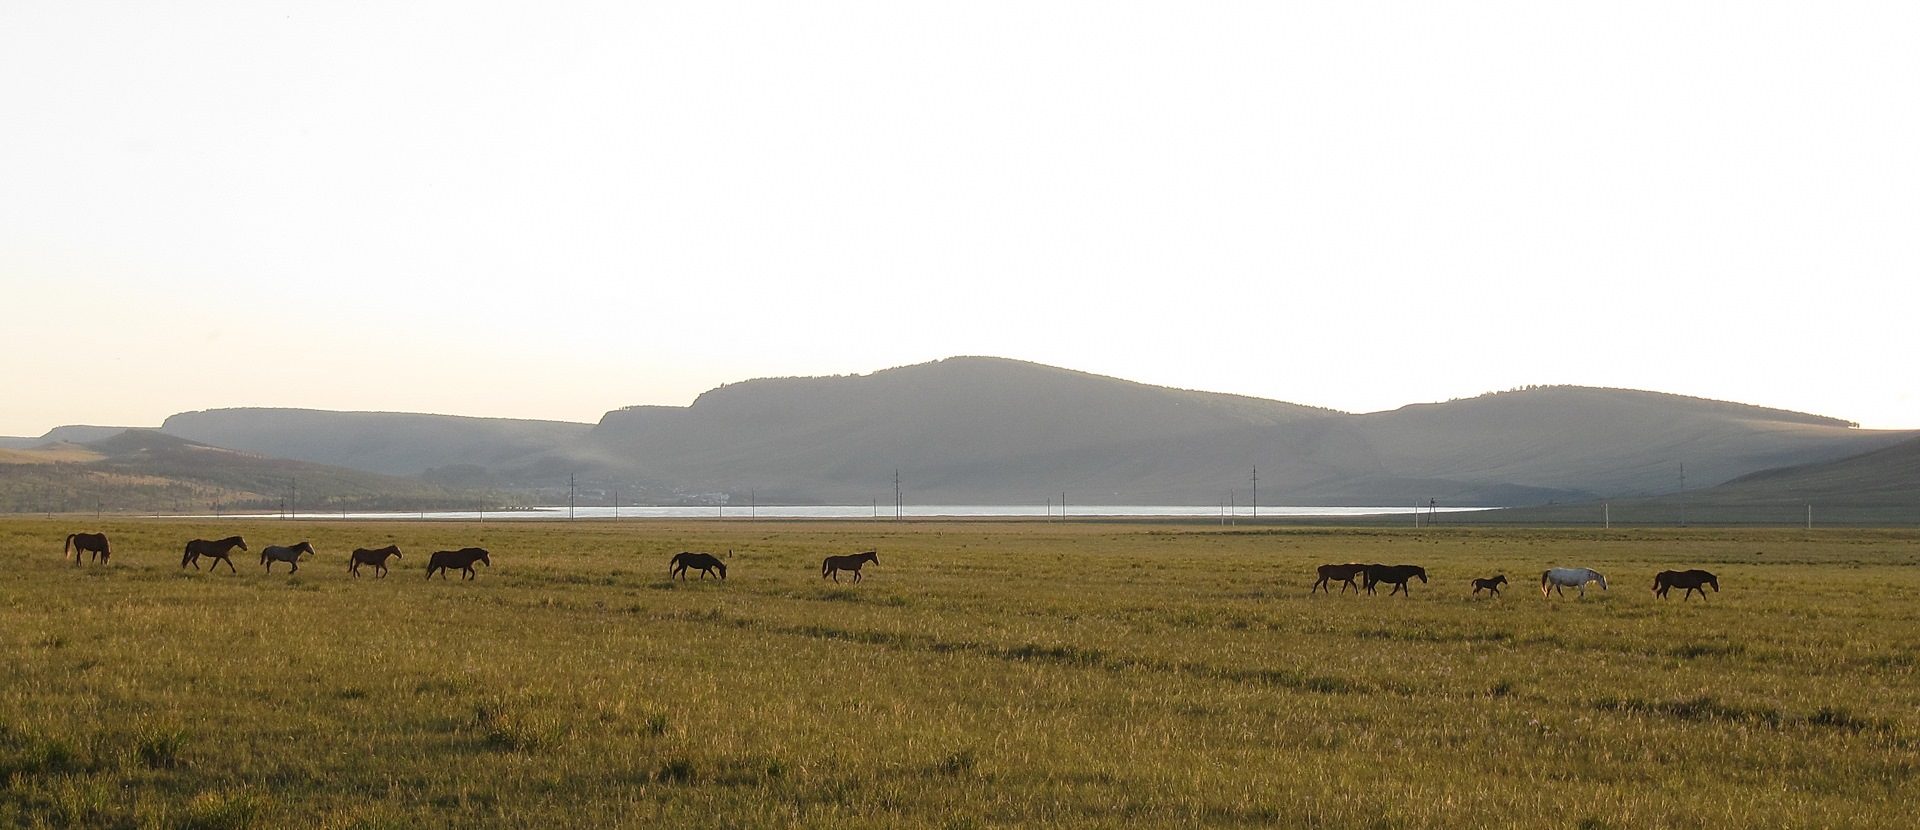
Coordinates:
[552,210]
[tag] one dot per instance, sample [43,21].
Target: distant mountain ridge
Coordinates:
[149,471]
[975,430]
[389,443]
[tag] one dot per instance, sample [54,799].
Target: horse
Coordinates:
[1344,573]
[288,554]
[706,562]
[92,543]
[1489,585]
[213,550]
[1395,574]
[1690,580]
[442,560]
[1559,579]
[376,558]
[833,565]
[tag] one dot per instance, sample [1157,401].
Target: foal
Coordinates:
[1489,585]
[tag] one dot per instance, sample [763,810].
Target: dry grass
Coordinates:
[985,674]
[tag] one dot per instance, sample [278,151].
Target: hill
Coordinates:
[981,430]
[1878,487]
[149,471]
[986,430]
[75,434]
[391,443]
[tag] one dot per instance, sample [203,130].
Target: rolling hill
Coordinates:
[985,430]
[390,443]
[981,430]
[1879,487]
[148,471]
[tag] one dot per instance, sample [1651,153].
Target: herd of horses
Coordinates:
[707,563]
[1552,581]
[1370,576]
[216,551]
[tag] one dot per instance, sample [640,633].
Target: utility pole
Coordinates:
[569,497]
[1683,493]
[1256,491]
[899,503]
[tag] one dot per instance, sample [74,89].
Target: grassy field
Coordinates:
[985,674]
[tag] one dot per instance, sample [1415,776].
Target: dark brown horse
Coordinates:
[1489,585]
[463,559]
[217,550]
[1345,573]
[706,562]
[92,543]
[376,558]
[833,565]
[1690,580]
[1395,575]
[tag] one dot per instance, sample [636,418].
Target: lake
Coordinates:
[868,511]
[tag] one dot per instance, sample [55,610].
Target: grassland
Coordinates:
[986,674]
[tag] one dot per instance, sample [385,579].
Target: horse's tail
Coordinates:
[69,544]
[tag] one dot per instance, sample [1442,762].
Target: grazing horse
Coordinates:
[217,551]
[1345,573]
[1395,574]
[463,559]
[1489,585]
[376,558]
[1559,579]
[833,565]
[706,562]
[288,554]
[1690,580]
[92,543]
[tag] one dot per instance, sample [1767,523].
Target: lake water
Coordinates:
[867,511]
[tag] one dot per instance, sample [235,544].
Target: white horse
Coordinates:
[1559,579]
[288,554]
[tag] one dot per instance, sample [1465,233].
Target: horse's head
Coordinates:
[1420,572]
[241,542]
[1500,580]
[1600,578]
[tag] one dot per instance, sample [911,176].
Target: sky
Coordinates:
[558,209]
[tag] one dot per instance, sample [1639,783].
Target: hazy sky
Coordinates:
[552,210]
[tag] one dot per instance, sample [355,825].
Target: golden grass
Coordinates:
[56,454]
[985,674]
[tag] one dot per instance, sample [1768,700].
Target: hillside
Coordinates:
[990,430]
[149,471]
[390,443]
[1878,487]
[979,430]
